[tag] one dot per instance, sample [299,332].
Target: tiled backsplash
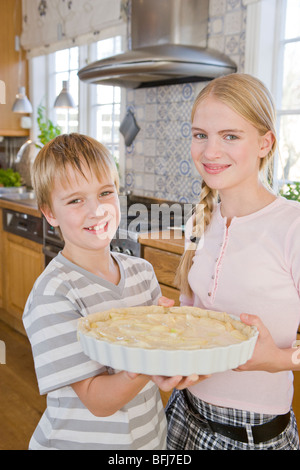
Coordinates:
[158,163]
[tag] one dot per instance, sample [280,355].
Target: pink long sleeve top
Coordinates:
[253,266]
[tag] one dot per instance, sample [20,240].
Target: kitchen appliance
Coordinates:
[142,215]
[167,44]
[24,161]
[24,225]
[53,241]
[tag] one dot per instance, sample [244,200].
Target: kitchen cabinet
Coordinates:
[21,262]
[11,20]
[163,250]
[1,260]
[24,262]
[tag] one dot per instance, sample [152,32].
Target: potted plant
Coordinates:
[29,150]
[48,130]
[10,178]
[291,191]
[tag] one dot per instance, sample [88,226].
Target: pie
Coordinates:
[175,328]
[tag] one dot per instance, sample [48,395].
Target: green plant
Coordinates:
[10,177]
[48,130]
[291,191]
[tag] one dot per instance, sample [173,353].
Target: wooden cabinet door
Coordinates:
[11,26]
[23,263]
[1,260]
[164,264]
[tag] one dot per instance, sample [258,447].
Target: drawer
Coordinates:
[164,263]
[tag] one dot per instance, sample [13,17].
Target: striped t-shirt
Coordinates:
[61,295]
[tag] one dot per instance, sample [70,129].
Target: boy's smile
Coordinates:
[87,212]
[98,228]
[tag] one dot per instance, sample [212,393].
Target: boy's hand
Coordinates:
[178,381]
[165,302]
[166,384]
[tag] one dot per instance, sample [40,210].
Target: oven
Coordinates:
[53,241]
[23,225]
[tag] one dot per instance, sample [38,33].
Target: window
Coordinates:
[65,69]
[288,93]
[106,102]
[97,108]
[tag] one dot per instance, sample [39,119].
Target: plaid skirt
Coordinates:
[187,432]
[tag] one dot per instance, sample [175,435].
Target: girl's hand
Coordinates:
[165,302]
[266,354]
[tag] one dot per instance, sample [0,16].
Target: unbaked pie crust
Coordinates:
[166,328]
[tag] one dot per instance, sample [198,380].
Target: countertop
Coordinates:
[26,206]
[168,240]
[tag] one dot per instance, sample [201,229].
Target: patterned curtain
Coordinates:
[55,24]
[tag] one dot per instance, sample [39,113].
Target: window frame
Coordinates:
[41,70]
[280,43]
[264,52]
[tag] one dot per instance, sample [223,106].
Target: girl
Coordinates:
[241,257]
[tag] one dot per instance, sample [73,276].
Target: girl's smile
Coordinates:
[214,169]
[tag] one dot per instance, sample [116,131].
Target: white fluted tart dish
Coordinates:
[172,341]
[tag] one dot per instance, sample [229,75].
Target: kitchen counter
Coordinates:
[168,240]
[26,206]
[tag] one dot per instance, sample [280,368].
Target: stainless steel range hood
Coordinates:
[168,45]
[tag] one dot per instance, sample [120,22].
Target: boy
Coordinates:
[89,406]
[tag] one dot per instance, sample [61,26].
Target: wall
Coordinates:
[158,163]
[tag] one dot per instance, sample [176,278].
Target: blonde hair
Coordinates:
[75,150]
[248,97]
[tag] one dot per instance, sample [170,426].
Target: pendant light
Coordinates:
[64,99]
[22,103]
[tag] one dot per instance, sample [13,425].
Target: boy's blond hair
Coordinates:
[65,151]
[248,97]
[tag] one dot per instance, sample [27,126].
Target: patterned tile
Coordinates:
[217,8]
[159,163]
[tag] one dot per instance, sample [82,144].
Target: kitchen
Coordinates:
[149,168]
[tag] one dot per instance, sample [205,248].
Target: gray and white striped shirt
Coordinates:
[61,295]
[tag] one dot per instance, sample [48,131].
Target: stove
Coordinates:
[143,215]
